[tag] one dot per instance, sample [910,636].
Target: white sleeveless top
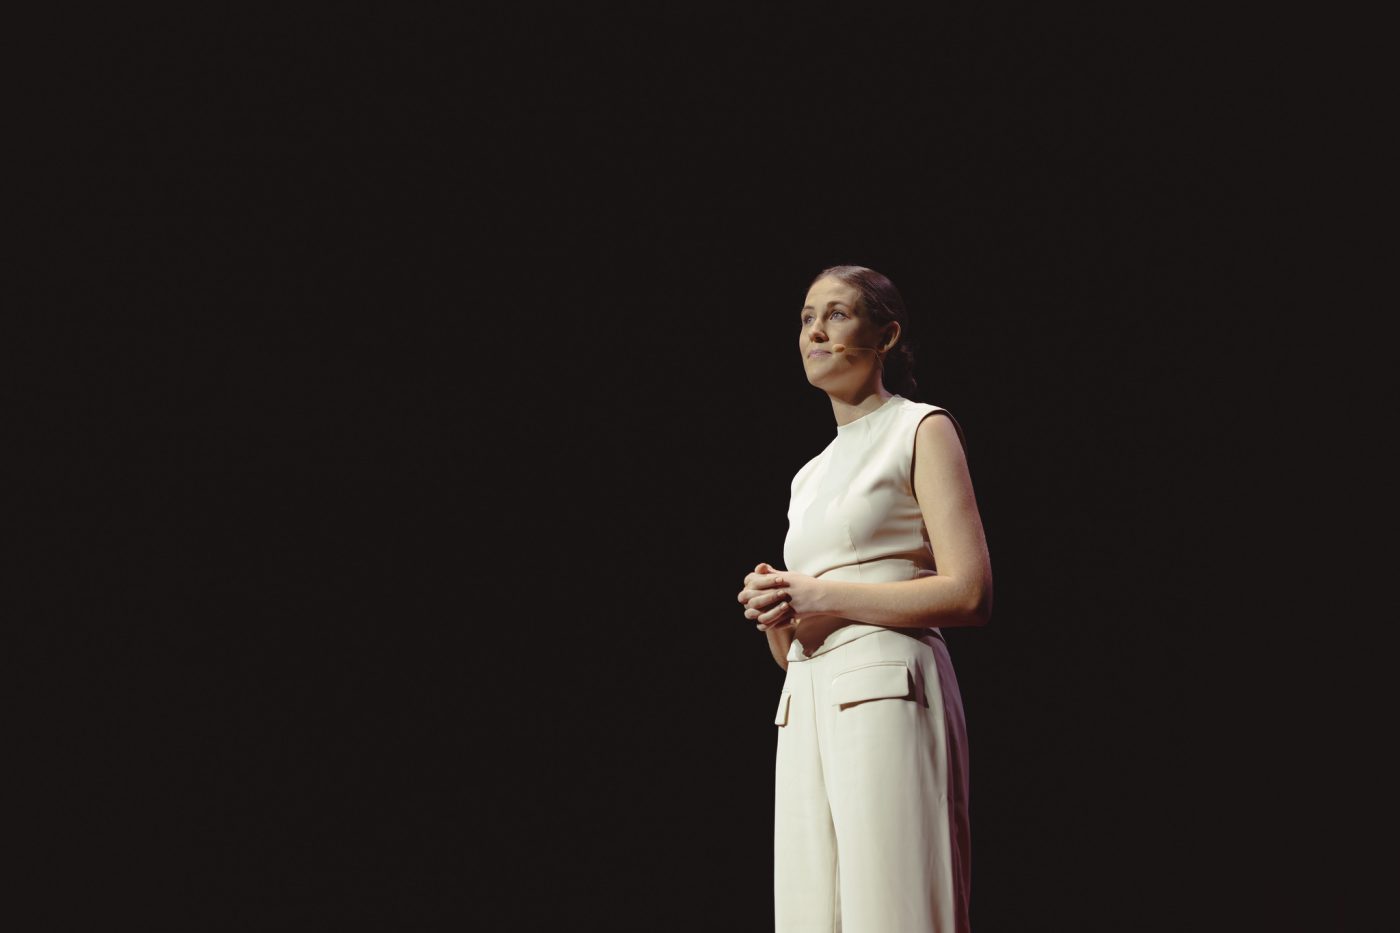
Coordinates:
[853,515]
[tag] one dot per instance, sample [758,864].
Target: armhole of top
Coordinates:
[914,442]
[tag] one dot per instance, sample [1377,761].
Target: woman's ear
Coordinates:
[892,336]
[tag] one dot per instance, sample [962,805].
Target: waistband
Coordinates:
[848,633]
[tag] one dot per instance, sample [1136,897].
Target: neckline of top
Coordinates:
[889,403]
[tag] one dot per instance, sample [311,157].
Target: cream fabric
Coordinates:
[853,515]
[871,830]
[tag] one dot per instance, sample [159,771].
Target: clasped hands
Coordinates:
[775,598]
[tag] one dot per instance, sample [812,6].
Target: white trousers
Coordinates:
[871,829]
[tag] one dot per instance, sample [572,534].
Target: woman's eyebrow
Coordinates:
[828,304]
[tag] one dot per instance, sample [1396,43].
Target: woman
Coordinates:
[884,548]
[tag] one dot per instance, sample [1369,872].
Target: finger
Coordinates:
[765,601]
[752,593]
[772,619]
[775,613]
[759,585]
[777,624]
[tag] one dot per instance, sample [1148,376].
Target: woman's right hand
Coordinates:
[758,594]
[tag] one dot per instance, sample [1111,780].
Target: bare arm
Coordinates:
[779,641]
[961,592]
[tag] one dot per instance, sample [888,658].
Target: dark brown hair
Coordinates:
[881,302]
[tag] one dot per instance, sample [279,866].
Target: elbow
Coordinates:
[979,605]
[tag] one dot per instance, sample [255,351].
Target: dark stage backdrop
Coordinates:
[442,387]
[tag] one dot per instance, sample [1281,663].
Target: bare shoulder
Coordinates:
[939,436]
[939,458]
[943,488]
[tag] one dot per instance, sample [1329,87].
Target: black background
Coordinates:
[430,386]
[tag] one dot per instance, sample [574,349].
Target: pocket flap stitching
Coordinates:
[871,682]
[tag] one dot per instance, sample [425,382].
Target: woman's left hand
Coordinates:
[795,592]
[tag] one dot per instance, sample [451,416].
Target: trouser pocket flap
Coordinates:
[783,702]
[880,680]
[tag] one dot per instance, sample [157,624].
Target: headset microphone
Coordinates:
[842,348]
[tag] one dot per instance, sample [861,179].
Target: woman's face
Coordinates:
[829,316]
